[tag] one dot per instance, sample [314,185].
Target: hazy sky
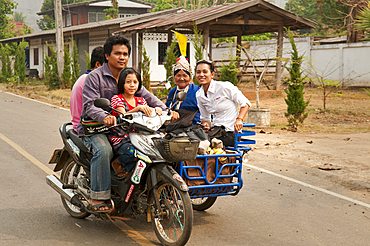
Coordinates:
[29,8]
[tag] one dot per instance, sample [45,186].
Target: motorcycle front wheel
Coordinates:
[173,226]
[70,173]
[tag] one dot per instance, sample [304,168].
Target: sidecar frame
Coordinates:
[223,182]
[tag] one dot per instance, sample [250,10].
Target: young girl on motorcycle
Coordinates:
[125,102]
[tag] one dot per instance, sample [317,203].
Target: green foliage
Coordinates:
[229,71]
[328,14]
[296,111]
[67,74]
[198,47]
[170,61]
[87,60]
[75,65]
[20,61]
[363,22]
[145,67]
[6,71]
[6,7]
[112,12]
[257,37]
[51,70]
[367,91]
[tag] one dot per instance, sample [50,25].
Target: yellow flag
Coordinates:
[182,39]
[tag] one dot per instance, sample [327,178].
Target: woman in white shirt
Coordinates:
[219,100]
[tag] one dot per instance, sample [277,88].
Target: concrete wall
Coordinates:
[347,63]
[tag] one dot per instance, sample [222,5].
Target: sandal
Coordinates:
[120,177]
[118,172]
[96,208]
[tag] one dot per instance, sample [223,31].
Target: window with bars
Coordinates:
[96,16]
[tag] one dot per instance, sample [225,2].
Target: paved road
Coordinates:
[280,204]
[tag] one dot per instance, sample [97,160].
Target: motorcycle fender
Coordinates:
[172,175]
[60,156]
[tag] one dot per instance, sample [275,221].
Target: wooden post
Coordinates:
[134,51]
[59,39]
[206,41]
[169,40]
[140,55]
[279,55]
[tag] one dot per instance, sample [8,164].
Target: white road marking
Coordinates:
[310,186]
[34,100]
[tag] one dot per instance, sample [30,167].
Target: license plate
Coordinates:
[56,156]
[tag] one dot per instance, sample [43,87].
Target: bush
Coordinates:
[75,65]
[6,71]
[170,61]
[229,72]
[20,61]
[295,101]
[67,74]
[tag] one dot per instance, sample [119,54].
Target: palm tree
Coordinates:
[363,22]
[18,16]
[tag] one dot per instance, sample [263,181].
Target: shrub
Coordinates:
[296,111]
[145,67]
[20,61]
[67,74]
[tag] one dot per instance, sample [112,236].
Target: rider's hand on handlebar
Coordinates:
[110,120]
[158,110]
[174,115]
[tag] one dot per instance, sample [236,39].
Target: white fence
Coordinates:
[347,63]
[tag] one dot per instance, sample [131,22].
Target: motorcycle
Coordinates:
[152,186]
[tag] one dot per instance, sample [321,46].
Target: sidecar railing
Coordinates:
[218,175]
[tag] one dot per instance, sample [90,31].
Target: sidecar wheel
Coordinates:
[71,171]
[201,204]
[173,226]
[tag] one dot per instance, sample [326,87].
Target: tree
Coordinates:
[363,22]
[170,61]
[6,7]
[145,67]
[6,71]
[112,12]
[75,65]
[67,74]
[20,61]
[296,111]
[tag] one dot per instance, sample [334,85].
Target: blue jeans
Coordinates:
[100,174]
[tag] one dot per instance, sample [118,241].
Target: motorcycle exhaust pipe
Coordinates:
[55,183]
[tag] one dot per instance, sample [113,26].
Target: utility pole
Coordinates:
[59,35]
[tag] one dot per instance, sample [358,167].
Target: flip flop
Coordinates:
[96,208]
[115,175]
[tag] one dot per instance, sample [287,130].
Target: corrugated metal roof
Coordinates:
[133,20]
[122,4]
[253,10]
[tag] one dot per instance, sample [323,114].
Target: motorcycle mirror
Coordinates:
[181,96]
[102,103]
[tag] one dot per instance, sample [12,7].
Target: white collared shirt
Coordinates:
[222,102]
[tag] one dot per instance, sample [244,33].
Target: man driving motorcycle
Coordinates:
[102,83]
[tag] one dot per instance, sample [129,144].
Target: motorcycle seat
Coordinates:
[77,140]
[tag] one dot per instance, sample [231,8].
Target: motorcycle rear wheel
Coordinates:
[201,204]
[68,177]
[177,218]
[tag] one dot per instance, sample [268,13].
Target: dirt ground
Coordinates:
[335,140]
